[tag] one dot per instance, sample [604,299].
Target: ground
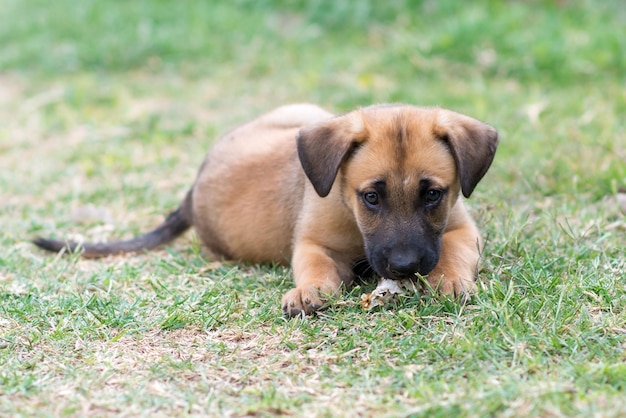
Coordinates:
[106,109]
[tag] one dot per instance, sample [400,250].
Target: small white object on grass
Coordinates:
[387,290]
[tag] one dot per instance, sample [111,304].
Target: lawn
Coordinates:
[106,109]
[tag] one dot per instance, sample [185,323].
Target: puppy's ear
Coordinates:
[473,145]
[323,148]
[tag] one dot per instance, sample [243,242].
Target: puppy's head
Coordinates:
[400,169]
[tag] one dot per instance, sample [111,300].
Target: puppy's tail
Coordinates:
[175,224]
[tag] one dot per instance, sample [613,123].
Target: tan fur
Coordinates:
[300,186]
[252,201]
[248,193]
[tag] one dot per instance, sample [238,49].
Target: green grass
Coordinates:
[113,104]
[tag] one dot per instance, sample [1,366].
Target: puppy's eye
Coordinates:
[433,196]
[371,198]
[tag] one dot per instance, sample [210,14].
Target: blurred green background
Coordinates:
[549,74]
[107,108]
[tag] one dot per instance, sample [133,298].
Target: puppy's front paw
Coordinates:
[452,285]
[302,299]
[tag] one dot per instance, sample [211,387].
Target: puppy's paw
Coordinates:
[452,285]
[302,300]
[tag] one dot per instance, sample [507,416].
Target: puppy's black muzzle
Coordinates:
[403,262]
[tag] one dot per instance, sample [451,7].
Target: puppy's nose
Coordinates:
[403,264]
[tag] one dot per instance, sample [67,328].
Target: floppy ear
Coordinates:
[322,148]
[473,145]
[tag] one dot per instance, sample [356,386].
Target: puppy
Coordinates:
[301,186]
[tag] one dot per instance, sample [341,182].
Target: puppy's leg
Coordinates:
[460,252]
[319,274]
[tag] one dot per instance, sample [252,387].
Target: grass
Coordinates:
[112,104]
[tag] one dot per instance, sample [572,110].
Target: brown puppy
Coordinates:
[302,186]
